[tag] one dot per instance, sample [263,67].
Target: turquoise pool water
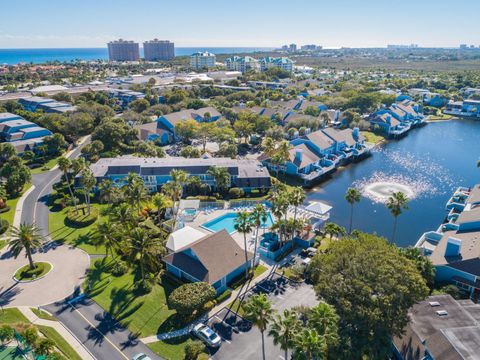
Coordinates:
[190,212]
[227,222]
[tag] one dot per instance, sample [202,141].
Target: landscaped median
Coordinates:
[27,274]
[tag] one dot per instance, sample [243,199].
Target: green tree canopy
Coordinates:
[371,287]
[188,298]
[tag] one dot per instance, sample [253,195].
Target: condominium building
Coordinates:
[245,174]
[283,63]
[242,63]
[201,60]
[155,50]
[123,50]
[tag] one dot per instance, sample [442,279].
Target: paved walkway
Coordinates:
[67,335]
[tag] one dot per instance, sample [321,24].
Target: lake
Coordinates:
[430,161]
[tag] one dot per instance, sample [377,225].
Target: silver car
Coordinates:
[141,356]
[207,335]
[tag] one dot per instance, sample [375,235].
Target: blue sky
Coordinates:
[256,23]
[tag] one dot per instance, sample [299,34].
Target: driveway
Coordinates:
[69,267]
[241,340]
[104,337]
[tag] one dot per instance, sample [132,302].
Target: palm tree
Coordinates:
[332,229]
[243,224]
[258,217]
[310,344]
[64,164]
[269,146]
[258,309]
[284,329]
[221,176]
[296,197]
[174,190]
[106,189]
[123,216]
[279,209]
[107,235]
[143,249]
[396,204]
[352,196]
[324,319]
[134,190]
[282,154]
[194,184]
[26,237]
[88,181]
[161,202]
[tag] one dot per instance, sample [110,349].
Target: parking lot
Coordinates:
[241,340]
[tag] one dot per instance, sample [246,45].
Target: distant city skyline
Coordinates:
[211,23]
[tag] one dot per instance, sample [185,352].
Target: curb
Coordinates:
[36,279]
[19,209]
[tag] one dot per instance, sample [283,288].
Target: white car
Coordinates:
[207,335]
[141,356]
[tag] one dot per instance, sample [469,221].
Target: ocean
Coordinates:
[38,56]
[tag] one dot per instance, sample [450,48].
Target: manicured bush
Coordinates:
[193,349]
[6,334]
[25,273]
[30,335]
[119,268]
[189,298]
[236,193]
[3,226]
[81,218]
[203,356]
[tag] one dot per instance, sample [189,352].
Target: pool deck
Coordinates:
[202,218]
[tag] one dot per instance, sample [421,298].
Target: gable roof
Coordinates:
[345,135]
[217,255]
[308,156]
[320,139]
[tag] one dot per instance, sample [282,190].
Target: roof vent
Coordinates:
[442,313]
[434,303]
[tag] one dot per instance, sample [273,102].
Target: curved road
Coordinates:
[96,329]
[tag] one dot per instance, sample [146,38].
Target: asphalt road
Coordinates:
[103,336]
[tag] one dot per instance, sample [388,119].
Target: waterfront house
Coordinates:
[454,248]
[389,124]
[35,103]
[245,174]
[399,118]
[163,129]
[24,135]
[215,258]
[466,108]
[319,153]
[440,328]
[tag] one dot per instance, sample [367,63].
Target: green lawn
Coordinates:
[12,316]
[60,343]
[145,314]
[45,167]
[25,273]
[79,237]
[172,349]
[3,243]
[372,137]
[236,306]
[259,270]
[43,314]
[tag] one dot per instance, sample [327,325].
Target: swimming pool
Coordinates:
[227,222]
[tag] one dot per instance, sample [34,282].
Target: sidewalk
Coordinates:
[241,290]
[72,340]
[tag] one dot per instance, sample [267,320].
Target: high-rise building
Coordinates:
[292,47]
[155,50]
[123,50]
[243,64]
[202,60]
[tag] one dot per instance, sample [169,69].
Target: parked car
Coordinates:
[141,356]
[207,335]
